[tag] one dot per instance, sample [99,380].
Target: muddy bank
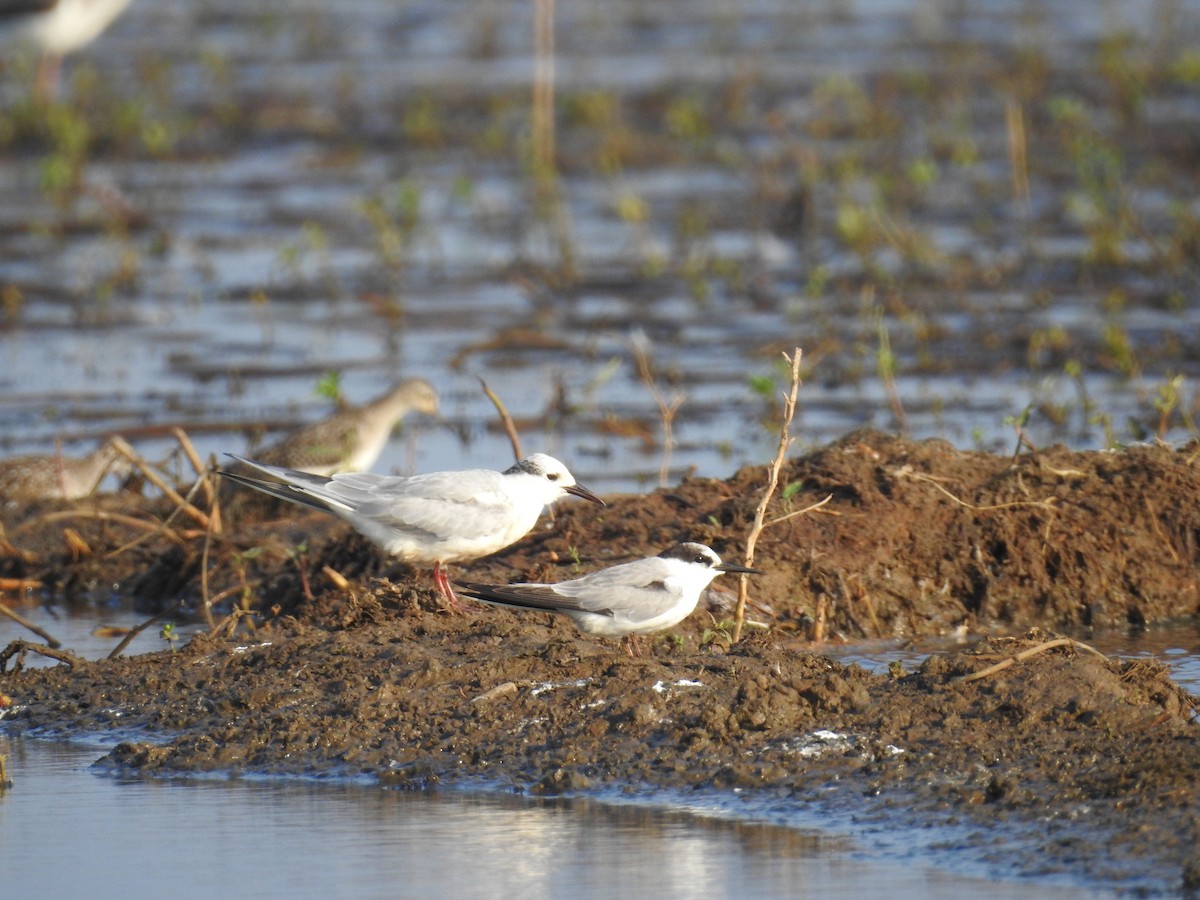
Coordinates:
[1093,764]
[918,539]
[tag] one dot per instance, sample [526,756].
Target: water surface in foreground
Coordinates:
[132,835]
[246,838]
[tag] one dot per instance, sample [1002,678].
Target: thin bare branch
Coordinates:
[785,441]
[138,629]
[799,512]
[99,515]
[155,479]
[1026,654]
[906,472]
[510,427]
[666,408]
[19,648]
[25,623]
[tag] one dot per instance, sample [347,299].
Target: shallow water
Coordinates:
[259,270]
[245,838]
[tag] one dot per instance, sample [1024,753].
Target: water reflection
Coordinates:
[132,837]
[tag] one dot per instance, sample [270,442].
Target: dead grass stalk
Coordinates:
[760,514]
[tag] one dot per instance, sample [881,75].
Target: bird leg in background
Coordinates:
[45,86]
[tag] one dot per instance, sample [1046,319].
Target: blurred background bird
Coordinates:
[56,28]
[25,479]
[351,439]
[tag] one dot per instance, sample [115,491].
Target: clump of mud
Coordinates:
[918,539]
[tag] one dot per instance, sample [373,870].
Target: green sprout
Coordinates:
[330,385]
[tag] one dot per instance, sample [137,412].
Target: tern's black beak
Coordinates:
[733,567]
[580,491]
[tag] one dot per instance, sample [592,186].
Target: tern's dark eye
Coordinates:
[552,476]
[702,559]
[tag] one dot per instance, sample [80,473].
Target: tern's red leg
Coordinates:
[442,583]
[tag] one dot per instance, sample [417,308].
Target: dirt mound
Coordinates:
[918,539]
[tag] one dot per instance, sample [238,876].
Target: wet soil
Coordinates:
[1062,762]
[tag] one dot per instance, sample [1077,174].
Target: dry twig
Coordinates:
[510,427]
[19,648]
[906,471]
[25,623]
[163,527]
[1026,654]
[785,441]
[100,516]
[19,584]
[155,479]
[202,471]
[138,629]
[666,409]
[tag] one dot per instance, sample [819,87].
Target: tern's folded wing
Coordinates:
[635,591]
[529,596]
[467,505]
[280,490]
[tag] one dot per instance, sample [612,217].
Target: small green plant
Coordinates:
[394,219]
[922,173]
[330,385]
[422,122]
[1186,67]
[299,556]
[169,634]
[1168,402]
[240,564]
[1119,349]
[1127,75]
[790,490]
[686,119]
[463,188]
[818,281]
[70,138]
[885,361]
[720,633]
[1018,423]
[1101,202]
[763,385]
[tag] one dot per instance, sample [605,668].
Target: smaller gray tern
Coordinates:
[639,597]
[437,517]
